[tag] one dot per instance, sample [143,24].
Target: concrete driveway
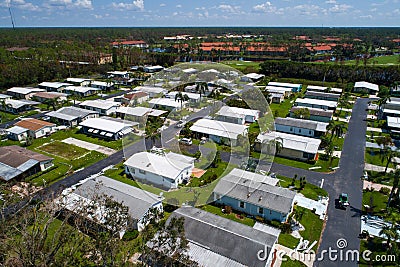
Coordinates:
[89,146]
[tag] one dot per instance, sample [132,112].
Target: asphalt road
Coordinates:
[341,223]
[346,224]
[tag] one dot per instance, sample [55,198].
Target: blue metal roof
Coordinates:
[7,172]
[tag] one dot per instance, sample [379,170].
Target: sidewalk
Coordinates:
[375,186]
[372,129]
[341,119]
[304,258]
[375,168]
[319,206]
[336,153]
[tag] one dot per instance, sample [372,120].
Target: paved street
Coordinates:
[346,223]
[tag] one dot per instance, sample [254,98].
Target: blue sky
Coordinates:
[200,13]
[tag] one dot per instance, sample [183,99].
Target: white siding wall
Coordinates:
[158,179]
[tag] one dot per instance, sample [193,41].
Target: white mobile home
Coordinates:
[219,131]
[166,170]
[316,103]
[293,146]
[104,107]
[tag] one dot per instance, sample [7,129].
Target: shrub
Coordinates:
[228,209]
[384,190]
[259,219]
[285,228]
[130,235]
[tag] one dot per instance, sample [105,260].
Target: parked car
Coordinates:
[203,140]
[344,200]
[180,124]
[186,141]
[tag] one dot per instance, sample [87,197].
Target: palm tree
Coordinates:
[338,129]
[51,103]
[276,144]
[384,97]
[201,88]
[390,232]
[343,103]
[388,154]
[329,149]
[215,95]
[395,188]
[181,98]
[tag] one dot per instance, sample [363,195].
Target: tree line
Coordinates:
[382,75]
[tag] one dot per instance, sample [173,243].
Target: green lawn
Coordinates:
[282,109]
[380,178]
[63,150]
[243,66]
[291,263]
[312,232]
[6,117]
[232,216]
[377,248]
[376,200]
[382,60]
[376,123]
[67,158]
[288,240]
[372,136]
[310,191]
[211,174]
[118,173]
[304,165]
[64,167]
[372,156]
[313,226]
[342,114]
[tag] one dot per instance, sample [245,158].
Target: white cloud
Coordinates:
[267,7]
[69,4]
[84,4]
[309,10]
[60,2]
[20,4]
[137,4]
[366,17]
[162,5]
[330,2]
[340,8]
[229,8]
[178,6]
